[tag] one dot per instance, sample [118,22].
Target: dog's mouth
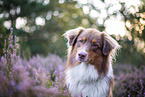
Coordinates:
[82,60]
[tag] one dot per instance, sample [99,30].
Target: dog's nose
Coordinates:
[82,55]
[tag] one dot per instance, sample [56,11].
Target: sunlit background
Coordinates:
[111,16]
[39,26]
[114,25]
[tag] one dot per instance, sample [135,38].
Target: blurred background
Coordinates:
[39,25]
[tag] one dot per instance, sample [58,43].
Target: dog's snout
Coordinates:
[82,55]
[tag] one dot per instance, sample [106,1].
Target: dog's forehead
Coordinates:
[91,35]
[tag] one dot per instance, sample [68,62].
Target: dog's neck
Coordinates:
[83,77]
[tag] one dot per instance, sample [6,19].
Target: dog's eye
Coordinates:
[81,41]
[95,44]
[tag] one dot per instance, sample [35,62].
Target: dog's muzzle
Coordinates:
[82,56]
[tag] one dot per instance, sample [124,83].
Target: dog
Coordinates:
[89,70]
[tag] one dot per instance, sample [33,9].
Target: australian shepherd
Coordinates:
[89,70]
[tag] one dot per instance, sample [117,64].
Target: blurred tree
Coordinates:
[129,53]
[134,19]
[133,44]
[44,21]
[10,10]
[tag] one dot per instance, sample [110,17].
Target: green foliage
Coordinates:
[13,9]
[43,39]
[133,48]
[129,53]
[136,20]
[3,36]
[59,17]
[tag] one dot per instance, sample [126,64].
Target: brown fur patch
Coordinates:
[84,39]
[94,41]
[99,61]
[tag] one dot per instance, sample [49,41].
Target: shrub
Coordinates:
[131,84]
[38,77]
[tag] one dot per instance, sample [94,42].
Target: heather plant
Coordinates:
[38,77]
[44,76]
[131,84]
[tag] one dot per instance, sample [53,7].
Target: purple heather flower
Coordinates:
[27,75]
[12,82]
[11,30]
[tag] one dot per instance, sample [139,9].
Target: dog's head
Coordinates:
[90,46]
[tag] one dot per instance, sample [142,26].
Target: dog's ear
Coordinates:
[108,44]
[71,35]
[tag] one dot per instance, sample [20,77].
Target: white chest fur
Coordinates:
[84,80]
